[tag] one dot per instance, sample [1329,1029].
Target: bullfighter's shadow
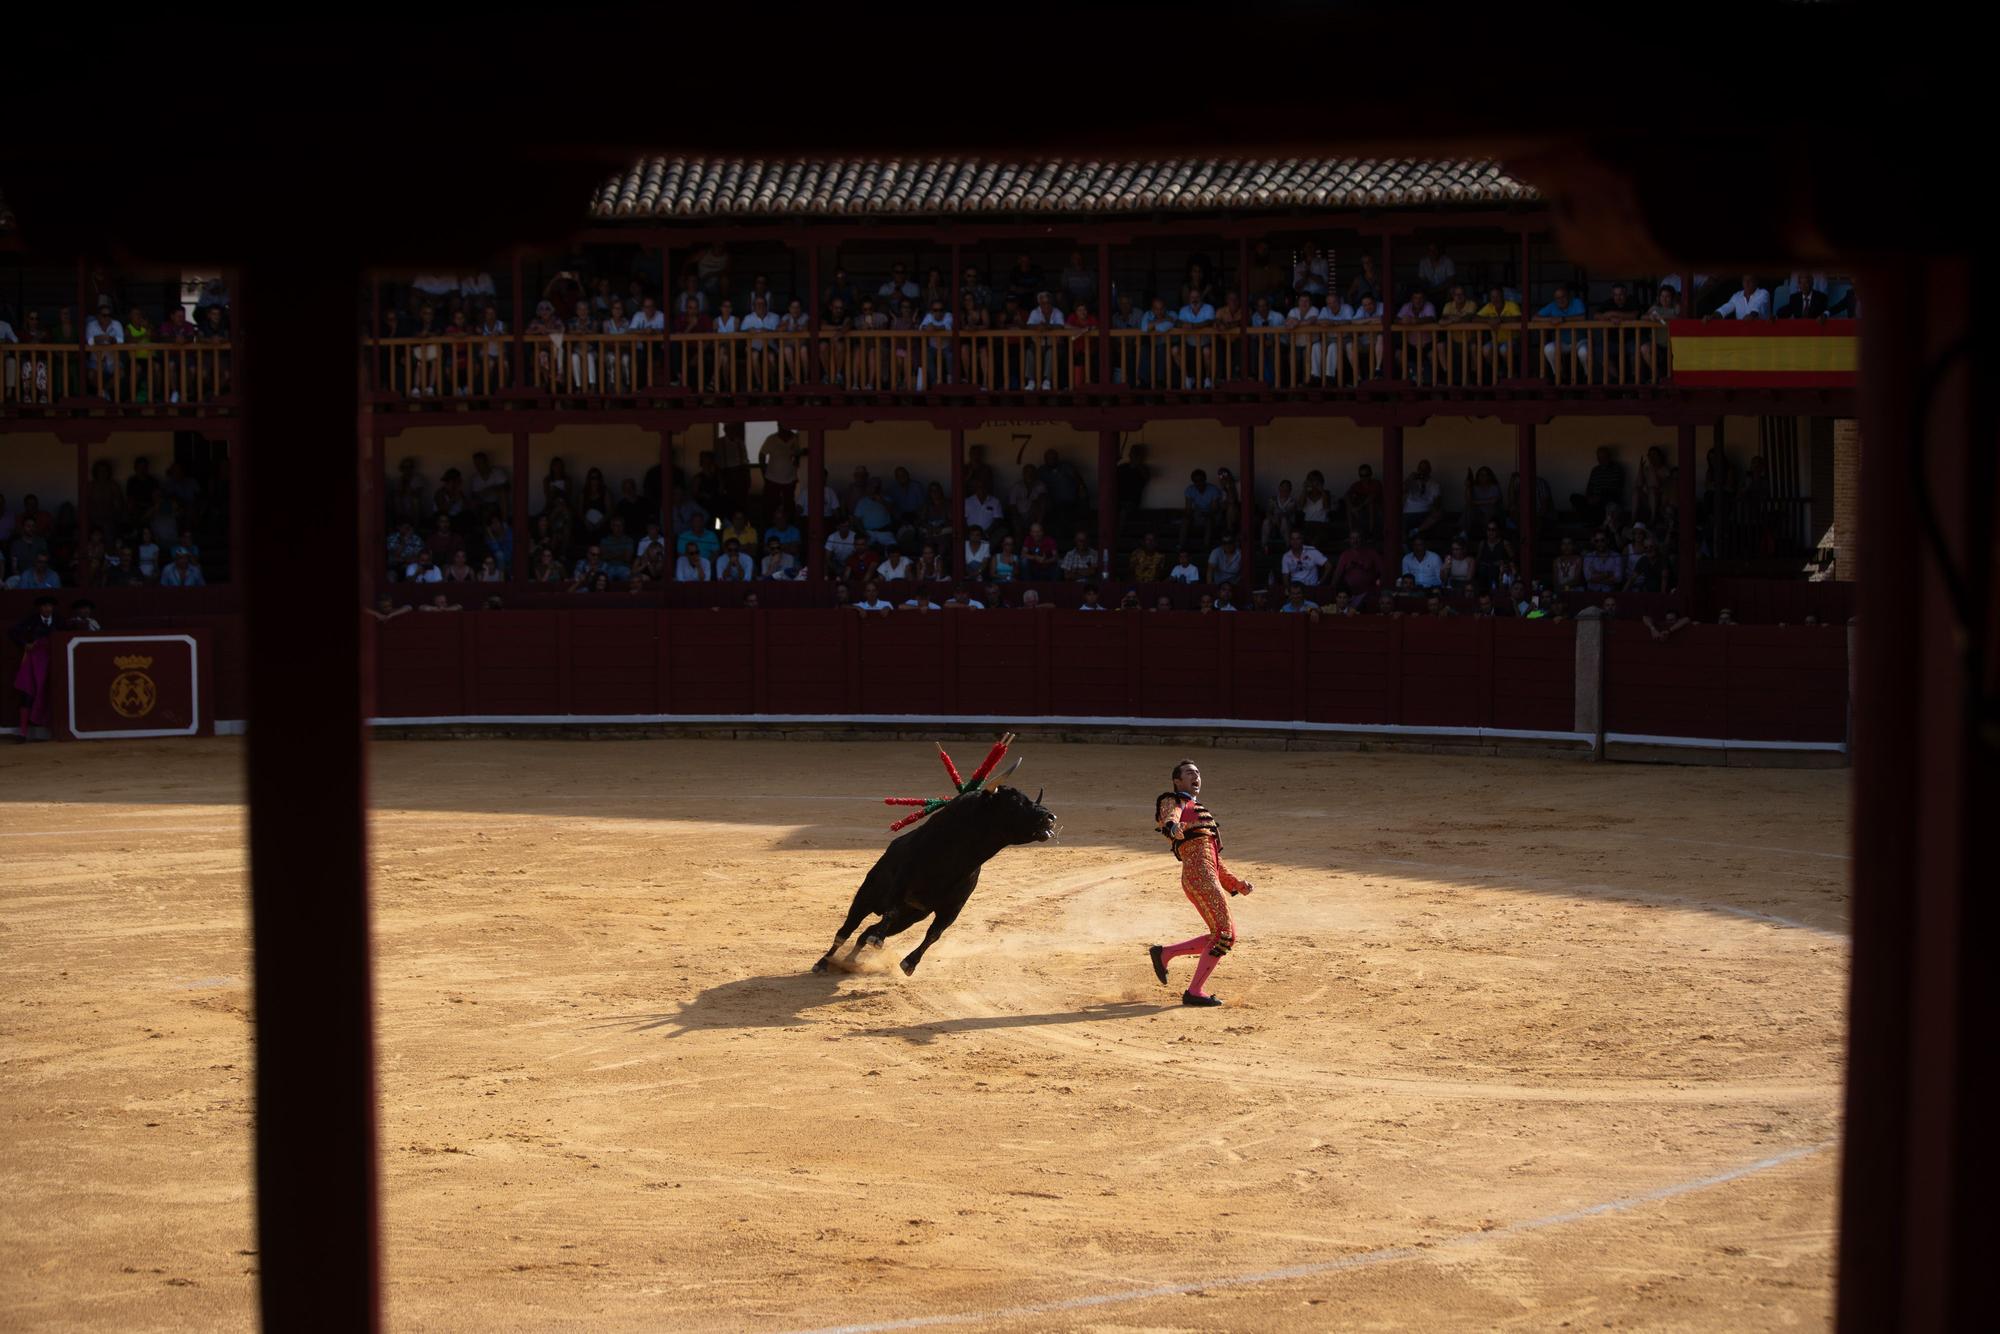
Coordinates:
[928,1030]
[776,1000]
[780,1000]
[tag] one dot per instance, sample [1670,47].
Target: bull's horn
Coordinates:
[1008,772]
[1038,795]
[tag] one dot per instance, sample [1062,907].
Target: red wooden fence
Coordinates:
[1461,673]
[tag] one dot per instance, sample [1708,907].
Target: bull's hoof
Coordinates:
[821,966]
[873,942]
[909,967]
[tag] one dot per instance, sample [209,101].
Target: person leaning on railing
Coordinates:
[1455,346]
[1496,348]
[975,349]
[1666,308]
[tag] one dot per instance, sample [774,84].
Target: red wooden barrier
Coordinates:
[1739,683]
[1462,672]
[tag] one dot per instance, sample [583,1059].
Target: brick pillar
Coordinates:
[1846,496]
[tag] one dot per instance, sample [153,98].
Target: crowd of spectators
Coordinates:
[123,347]
[1325,326]
[894,540]
[143,530]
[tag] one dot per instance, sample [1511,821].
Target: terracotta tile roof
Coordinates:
[672,187]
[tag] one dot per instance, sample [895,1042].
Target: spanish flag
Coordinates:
[1773,354]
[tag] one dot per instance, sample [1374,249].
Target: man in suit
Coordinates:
[1806,302]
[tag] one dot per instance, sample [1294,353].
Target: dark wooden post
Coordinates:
[1107,502]
[1241,370]
[954,557]
[1685,551]
[238,509]
[516,346]
[82,385]
[519,572]
[83,491]
[1383,348]
[818,372]
[1246,483]
[816,502]
[1392,498]
[308,793]
[1104,312]
[1524,463]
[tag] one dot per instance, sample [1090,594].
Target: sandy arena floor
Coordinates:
[1510,1044]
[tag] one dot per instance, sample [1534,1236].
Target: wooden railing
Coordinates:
[1574,353]
[128,375]
[1316,356]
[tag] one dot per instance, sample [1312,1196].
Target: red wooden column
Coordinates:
[1243,343]
[1384,348]
[519,572]
[83,317]
[816,502]
[1392,498]
[516,346]
[667,491]
[1104,312]
[1107,502]
[1524,463]
[1685,554]
[956,555]
[1246,483]
[83,491]
[816,372]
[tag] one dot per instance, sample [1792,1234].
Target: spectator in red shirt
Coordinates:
[1359,571]
[1038,554]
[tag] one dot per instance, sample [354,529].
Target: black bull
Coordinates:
[932,870]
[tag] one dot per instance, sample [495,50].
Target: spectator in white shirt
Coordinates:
[977,552]
[762,354]
[1302,564]
[873,601]
[1751,303]
[1309,272]
[1423,500]
[938,364]
[896,568]
[724,373]
[1090,602]
[103,329]
[1422,565]
[841,545]
[898,288]
[1185,571]
[1046,315]
[983,509]
[692,567]
[1435,270]
[423,570]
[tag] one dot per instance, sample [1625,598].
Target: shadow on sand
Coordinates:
[925,1032]
[781,1000]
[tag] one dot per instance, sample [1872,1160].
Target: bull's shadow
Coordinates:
[777,1000]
